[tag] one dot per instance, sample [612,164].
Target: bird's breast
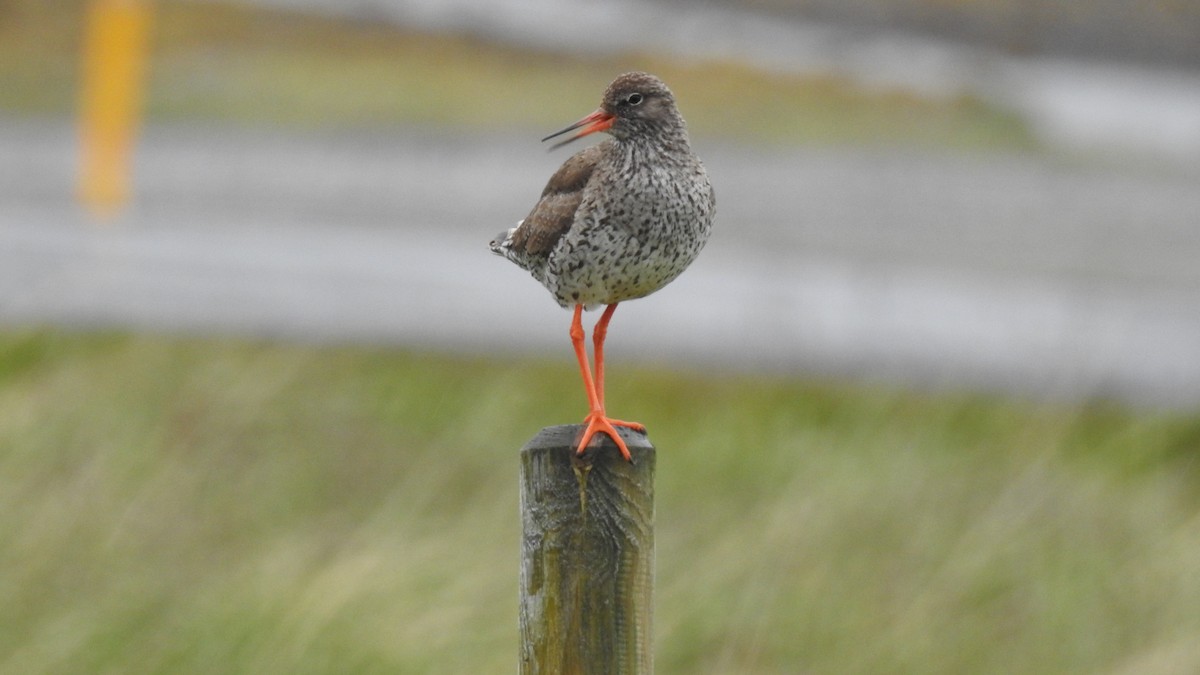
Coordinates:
[634,232]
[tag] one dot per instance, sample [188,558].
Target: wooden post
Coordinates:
[587,555]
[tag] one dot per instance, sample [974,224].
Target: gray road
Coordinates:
[1016,272]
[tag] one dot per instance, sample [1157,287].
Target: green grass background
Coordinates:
[172,505]
[211,505]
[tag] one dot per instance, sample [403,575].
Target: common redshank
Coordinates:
[618,221]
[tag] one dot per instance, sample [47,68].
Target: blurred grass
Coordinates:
[231,63]
[197,506]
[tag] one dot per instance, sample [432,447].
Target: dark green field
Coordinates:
[199,506]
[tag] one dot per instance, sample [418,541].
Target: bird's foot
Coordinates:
[597,422]
[636,426]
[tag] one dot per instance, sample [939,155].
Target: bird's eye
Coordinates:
[633,99]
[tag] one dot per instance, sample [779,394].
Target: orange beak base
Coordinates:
[597,121]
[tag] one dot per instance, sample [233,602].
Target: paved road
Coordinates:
[1017,272]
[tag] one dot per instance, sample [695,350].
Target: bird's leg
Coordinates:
[581,353]
[596,420]
[599,333]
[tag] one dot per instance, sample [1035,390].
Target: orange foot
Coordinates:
[597,422]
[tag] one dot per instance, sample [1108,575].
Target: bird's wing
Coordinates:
[555,211]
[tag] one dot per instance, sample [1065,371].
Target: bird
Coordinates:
[618,221]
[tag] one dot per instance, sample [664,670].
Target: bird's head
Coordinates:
[634,104]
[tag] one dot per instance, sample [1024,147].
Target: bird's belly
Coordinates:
[605,270]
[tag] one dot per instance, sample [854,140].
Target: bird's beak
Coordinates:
[597,121]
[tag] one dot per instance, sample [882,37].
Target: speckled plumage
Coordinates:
[617,221]
[621,219]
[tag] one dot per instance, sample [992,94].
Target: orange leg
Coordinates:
[596,420]
[599,333]
[581,353]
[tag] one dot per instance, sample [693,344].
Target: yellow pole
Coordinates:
[113,67]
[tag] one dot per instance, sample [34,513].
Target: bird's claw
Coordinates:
[598,423]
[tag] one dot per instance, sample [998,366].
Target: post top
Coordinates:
[567,435]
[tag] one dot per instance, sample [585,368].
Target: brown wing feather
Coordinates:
[552,216]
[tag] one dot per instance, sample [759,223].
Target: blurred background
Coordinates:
[928,402]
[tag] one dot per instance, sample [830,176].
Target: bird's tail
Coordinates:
[504,246]
[501,244]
